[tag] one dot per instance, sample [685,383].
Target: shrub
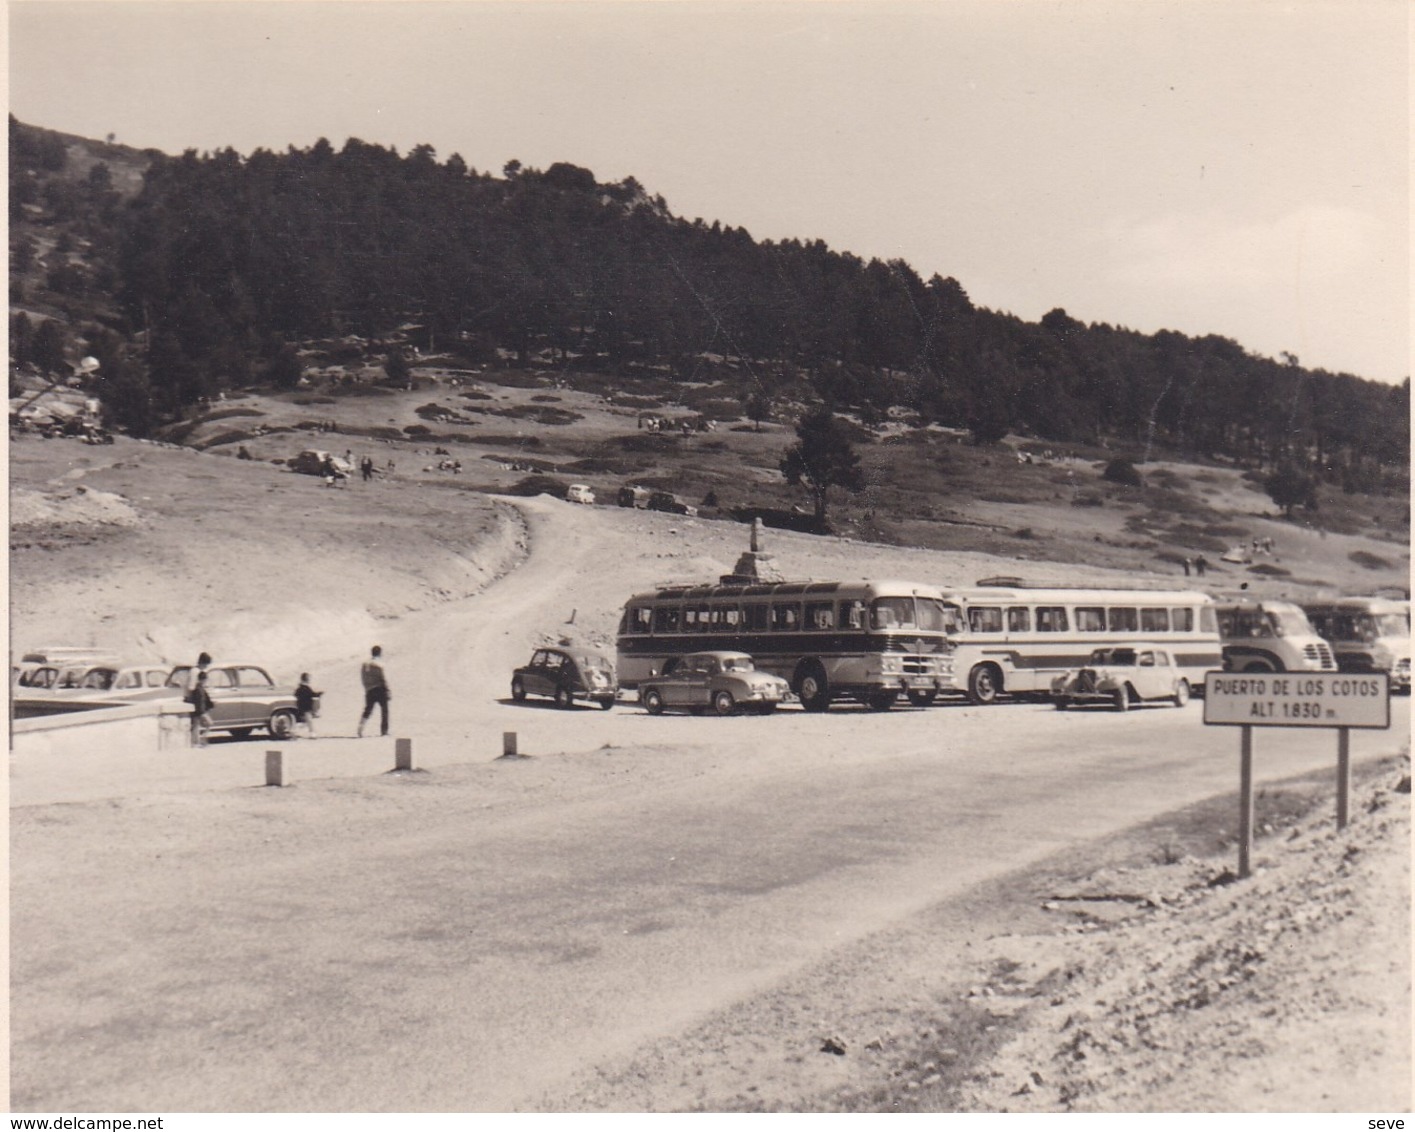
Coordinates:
[1088,500]
[540,485]
[1368,560]
[1123,471]
[1268,570]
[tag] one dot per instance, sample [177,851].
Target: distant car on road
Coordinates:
[725,682]
[667,501]
[316,462]
[579,493]
[567,675]
[243,699]
[1122,675]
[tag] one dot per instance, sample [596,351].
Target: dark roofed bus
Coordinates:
[870,641]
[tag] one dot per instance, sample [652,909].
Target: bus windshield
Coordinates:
[926,614]
[1385,625]
[1290,623]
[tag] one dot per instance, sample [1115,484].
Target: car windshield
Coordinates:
[737,664]
[1113,656]
[593,662]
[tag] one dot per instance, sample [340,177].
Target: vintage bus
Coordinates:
[865,640]
[1015,638]
[1367,634]
[1260,635]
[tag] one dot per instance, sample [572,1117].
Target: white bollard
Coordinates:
[274,769]
[402,754]
[508,744]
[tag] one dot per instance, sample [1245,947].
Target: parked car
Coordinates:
[312,462]
[243,699]
[567,675]
[726,682]
[633,496]
[125,682]
[1122,675]
[667,501]
[579,493]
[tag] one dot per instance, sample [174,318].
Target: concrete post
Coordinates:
[402,754]
[274,769]
[508,744]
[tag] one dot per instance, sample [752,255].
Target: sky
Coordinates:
[1208,166]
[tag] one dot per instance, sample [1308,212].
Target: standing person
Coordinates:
[200,699]
[375,690]
[1201,565]
[197,675]
[306,704]
[1186,567]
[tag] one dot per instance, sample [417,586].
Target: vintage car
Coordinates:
[121,682]
[317,462]
[243,699]
[667,501]
[579,493]
[1122,675]
[724,682]
[566,675]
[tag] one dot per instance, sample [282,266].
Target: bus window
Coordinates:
[1123,619]
[892,613]
[1154,620]
[820,615]
[731,617]
[1090,620]
[1182,620]
[785,618]
[852,614]
[755,617]
[1207,622]
[1019,619]
[665,619]
[1051,619]
[640,618]
[985,619]
[937,617]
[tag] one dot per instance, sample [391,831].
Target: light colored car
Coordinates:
[567,675]
[243,699]
[724,682]
[125,682]
[579,493]
[1122,675]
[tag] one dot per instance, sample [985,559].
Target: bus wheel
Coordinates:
[984,683]
[923,699]
[1259,666]
[813,688]
[881,701]
[1181,693]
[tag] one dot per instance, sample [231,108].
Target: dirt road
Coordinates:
[482,935]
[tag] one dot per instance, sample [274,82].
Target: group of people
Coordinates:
[307,699]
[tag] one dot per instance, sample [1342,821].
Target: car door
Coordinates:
[706,683]
[534,677]
[677,686]
[221,687]
[254,696]
[1150,678]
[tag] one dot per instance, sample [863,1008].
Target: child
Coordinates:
[306,704]
[200,699]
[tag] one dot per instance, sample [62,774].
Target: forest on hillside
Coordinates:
[220,266]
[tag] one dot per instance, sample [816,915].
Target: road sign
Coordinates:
[1297,699]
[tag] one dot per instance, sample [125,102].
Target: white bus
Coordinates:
[1015,638]
[1367,634]
[1270,636]
[866,640]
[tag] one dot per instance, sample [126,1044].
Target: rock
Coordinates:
[833,1045]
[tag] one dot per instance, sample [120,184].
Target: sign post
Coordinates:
[1338,700]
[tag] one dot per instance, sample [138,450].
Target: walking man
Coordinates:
[375,690]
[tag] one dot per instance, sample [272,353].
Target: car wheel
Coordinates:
[282,724]
[1061,703]
[984,684]
[518,689]
[1122,698]
[653,702]
[605,705]
[1181,693]
[814,690]
[923,699]
[881,701]
[723,703]
[563,699]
